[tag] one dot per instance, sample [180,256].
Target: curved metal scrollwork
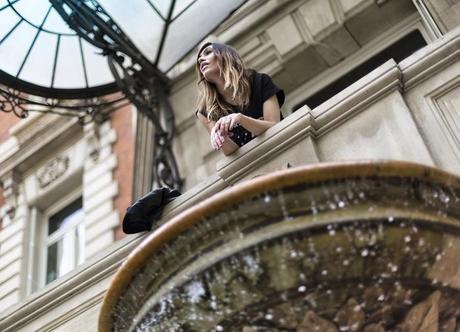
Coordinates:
[94,109]
[141,82]
[12,102]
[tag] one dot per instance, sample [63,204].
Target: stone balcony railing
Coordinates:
[406,111]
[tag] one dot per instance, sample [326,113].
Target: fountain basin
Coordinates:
[355,246]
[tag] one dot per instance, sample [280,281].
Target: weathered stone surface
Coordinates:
[287,315]
[350,317]
[423,317]
[312,322]
[374,328]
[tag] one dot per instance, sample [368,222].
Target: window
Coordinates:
[398,51]
[65,240]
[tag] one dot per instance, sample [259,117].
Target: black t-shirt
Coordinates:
[262,88]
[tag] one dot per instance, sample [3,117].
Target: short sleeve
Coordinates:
[269,88]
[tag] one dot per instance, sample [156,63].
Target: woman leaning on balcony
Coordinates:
[235,104]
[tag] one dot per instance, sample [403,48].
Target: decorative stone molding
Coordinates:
[431,59]
[92,136]
[52,171]
[40,141]
[10,184]
[358,96]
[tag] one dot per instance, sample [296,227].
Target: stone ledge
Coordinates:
[431,59]
[275,140]
[305,122]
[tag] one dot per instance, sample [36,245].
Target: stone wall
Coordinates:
[446,13]
[45,159]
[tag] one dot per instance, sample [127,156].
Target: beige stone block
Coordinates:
[9,300]
[105,152]
[10,286]
[84,322]
[308,62]
[336,46]
[105,224]
[69,312]
[384,130]
[195,145]
[105,127]
[108,138]
[371,21]
[10,270]
[265,59]
[98,212]
[100,168]
[106,194]
[451,17]
[318,16]
[249,46]
[99,244]
[285,35]
[184,98]
[92,188]
[12,242]
[12,229]
[434,96]
[8,148]
[446,13]
[350,7]
[9,257]
[285,80]
[302,153]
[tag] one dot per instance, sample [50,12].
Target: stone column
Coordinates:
[12,237]
[99,187]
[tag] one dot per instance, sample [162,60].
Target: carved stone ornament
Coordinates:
[10,184]
[52,171]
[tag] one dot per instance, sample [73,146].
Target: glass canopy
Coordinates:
[40,54]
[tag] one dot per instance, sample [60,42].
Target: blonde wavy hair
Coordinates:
[236,77]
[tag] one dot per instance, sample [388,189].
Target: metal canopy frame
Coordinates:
[43,91]
[141,82]
[136,76]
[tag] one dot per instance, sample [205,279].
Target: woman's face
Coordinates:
[207,64]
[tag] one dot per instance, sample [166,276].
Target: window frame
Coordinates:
[330,75]
[45,240]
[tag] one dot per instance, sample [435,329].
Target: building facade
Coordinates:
[364,79]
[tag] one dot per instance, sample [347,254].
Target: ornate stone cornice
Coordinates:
[36,139]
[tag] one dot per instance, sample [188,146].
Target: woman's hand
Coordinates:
[227,123]
[217,139]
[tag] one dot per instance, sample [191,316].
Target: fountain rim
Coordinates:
[242,191]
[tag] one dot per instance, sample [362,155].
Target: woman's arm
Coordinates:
[218,140]
[271,111]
